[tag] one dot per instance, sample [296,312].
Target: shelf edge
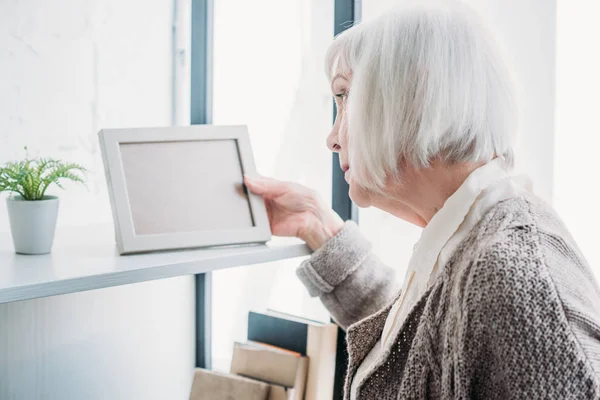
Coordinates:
[82,284]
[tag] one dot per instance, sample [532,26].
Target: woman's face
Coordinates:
[337,141]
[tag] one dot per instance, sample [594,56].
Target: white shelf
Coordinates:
[86,258]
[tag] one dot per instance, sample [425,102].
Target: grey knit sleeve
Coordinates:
[349,279]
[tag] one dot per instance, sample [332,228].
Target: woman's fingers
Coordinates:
[266,187]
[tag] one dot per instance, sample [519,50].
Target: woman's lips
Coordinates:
[345,168]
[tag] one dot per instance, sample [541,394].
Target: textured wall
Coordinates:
[67,69]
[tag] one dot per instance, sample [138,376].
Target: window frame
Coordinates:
[346,12]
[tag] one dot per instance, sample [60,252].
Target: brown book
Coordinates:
[271,364]
[210,385]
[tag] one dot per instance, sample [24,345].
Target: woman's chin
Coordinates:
[359,197]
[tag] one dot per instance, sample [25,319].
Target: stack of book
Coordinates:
[285,358]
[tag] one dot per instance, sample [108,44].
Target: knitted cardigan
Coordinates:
[515,314]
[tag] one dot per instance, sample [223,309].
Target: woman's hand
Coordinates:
[295,210]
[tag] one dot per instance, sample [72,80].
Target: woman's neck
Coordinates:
[423,192]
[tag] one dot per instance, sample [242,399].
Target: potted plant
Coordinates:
[31,212]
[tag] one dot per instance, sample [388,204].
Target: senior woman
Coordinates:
[498,301]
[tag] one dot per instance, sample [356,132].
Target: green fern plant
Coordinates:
[31,177]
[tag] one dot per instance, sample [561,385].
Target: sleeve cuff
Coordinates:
[334,261]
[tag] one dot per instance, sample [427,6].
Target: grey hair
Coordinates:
[427,83]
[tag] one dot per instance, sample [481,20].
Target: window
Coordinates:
[269,74]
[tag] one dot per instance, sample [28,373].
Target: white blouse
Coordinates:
[483,188]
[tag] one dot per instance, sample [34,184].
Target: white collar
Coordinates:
[439,232]
[448,219]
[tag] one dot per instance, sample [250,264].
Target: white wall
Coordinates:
[67,69]
[525,32]
[577,186]
[129,342]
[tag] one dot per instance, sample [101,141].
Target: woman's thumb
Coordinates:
[266,187]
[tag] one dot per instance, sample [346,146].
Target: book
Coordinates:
[282,393]
[210,385]
[313,339]
[272,365]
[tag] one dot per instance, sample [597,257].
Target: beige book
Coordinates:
[281,393]
[210,385]
[271,364]
[321,350]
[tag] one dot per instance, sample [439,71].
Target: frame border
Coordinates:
[127,240]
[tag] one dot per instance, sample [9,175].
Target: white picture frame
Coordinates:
[122,147]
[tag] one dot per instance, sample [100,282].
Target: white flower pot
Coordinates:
[32,223]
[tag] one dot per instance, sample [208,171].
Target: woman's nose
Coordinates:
[332,142]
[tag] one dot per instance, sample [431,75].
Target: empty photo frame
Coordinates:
[181,187]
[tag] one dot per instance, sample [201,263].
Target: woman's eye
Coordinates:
[340,95]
